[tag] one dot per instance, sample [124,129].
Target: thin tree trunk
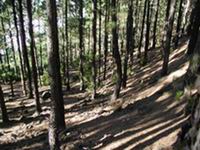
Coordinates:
[129,41]
[81,45]
[70,48]
[142,31]
[67,45]
[148,24]
[195,29]
[168,35]
[19,50]
[63,54]
[155,25]
[116,53]
[94,28]
[192,18]
[24,49]
[135,28]
[13,49]
[185,15]
[57,120]
[99,67]
[38,70]
[32,46]
[106,38]
[89,40]
[10,78]
[179,24]
[41,70]
[3,107]
[37,64]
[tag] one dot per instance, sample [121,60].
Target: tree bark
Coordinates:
[195,29]
[13,49]
[70,48]
[89,40]
[168,35]
[67,45]
[179,24]
[129,41]
[57,120]
[190,133]
[192,17]
[32,46]
[106,38]
[99,66]
[135,28]
[18,48]
[148,24]
[142,30]
[41,71]
[185,14]
[24,49]
[3,107]
[94,28]
[81,45]
[155,24]
[115,51]
[10,77]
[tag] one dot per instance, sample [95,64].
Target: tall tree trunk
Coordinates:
[168,35]
[192,17]
[190,138]
[57,120]
[148,24]
[81,45]
[116,53]
[70,48]
[185,14]
[106,38]
[41,70]
[155,24]
[129,41]
[94,28]
[179,24]
[37,64]
[67,45]
[32,46]
[89,40]
[13,49]
[195,29]
[18,48]
[99,66]
[10,78]
[63,54]
[37,55]
[24,49]
[3,107]
[37,49]
[142,30]
[135,28]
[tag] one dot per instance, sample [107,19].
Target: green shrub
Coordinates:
[7,74]
[45,79]
[179,94]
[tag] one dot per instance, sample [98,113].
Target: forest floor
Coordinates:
[147,116]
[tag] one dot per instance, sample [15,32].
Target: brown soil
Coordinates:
[147,115]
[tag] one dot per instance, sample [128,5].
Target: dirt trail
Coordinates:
[147,116]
